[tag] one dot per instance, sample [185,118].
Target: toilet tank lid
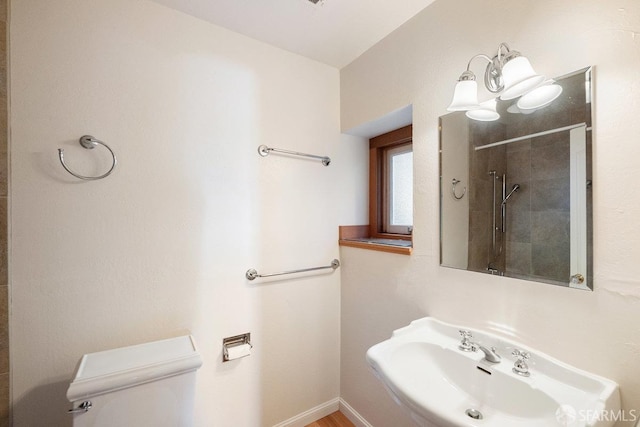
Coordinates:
[106,371]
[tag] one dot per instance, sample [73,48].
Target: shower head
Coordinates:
[515,188]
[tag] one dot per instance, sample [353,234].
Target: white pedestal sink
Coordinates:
[424,370]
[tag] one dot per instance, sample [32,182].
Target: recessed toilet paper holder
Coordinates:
[235,341]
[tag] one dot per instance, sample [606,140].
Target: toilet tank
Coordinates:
[145,385]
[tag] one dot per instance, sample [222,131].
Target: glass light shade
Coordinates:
[486,112]
[465,96]
[519,78]
[540,97]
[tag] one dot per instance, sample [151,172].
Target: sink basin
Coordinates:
[425,371]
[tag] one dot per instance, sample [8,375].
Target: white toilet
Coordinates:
[146,385]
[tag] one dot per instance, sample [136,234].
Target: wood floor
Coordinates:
[337,419]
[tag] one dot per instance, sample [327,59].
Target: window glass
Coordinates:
[400,169]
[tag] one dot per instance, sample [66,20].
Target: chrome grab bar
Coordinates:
[494,227]
[89,142]
[503,207]
[252,274]
[264,151]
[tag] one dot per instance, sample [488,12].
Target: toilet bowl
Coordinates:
[145,385]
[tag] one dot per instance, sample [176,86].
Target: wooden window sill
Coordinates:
[353,236]
[375,246]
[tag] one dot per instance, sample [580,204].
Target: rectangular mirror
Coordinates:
[515,193]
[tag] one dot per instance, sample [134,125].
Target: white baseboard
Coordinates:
[313,414]
[321,411]
[353,415]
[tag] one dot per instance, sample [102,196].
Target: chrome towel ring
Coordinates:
[455,182]
[89,142]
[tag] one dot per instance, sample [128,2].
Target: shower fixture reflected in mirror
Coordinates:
[496,263]
[515,188]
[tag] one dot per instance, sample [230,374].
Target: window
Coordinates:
[390,197]
[391,184]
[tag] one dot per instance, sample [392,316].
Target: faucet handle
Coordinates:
[521,355]
[466,344]
[465,334]
[520,366]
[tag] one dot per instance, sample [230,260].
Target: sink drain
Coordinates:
[473,413]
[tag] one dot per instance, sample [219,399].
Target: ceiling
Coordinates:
[334,32]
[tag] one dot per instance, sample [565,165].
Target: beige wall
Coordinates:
[4,167]
[418,64]
[161,247]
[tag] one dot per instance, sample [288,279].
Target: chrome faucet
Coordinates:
[466,344]
[490,355]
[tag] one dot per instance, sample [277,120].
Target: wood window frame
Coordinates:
[378,187]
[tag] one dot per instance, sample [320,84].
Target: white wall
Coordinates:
[418,64]
[161,247]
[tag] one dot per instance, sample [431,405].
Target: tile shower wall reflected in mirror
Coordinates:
[529,200]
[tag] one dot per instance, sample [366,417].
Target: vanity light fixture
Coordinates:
[511,75]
